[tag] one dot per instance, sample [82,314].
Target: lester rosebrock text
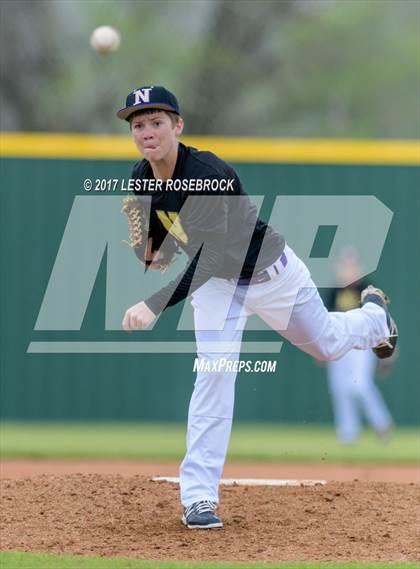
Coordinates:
[152,185]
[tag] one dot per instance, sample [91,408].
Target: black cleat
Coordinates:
[377,296]
[201,515]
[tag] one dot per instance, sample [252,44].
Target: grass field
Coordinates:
[276,443]
[33,561]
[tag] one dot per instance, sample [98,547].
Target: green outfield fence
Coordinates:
[41,175]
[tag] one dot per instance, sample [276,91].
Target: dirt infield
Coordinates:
[337,472]
[112,508]
[131,516]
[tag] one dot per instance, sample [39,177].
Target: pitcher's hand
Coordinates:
[138,317]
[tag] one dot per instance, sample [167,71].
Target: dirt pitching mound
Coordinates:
[134,517]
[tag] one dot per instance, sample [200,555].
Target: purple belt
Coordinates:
[262,276]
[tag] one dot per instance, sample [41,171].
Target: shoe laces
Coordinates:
[386,343]
[376,291]
[200,507]
[393,334]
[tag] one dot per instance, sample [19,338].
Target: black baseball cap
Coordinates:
[149,97]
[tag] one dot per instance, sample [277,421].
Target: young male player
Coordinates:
[238,266]
[351,379]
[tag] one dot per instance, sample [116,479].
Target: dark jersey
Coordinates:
[347,298]
[218,227]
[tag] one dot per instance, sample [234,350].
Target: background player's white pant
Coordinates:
[354,393]
[290,303]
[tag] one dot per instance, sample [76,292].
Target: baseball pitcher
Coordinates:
[191,200]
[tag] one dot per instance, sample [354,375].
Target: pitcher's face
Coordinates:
[155,135]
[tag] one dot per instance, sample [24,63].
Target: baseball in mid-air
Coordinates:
[105,39]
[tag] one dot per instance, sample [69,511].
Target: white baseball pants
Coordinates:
[289,303]
[354,394]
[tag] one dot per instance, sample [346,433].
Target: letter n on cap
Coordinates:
[142,96]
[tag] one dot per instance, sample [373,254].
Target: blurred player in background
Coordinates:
[351,378]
